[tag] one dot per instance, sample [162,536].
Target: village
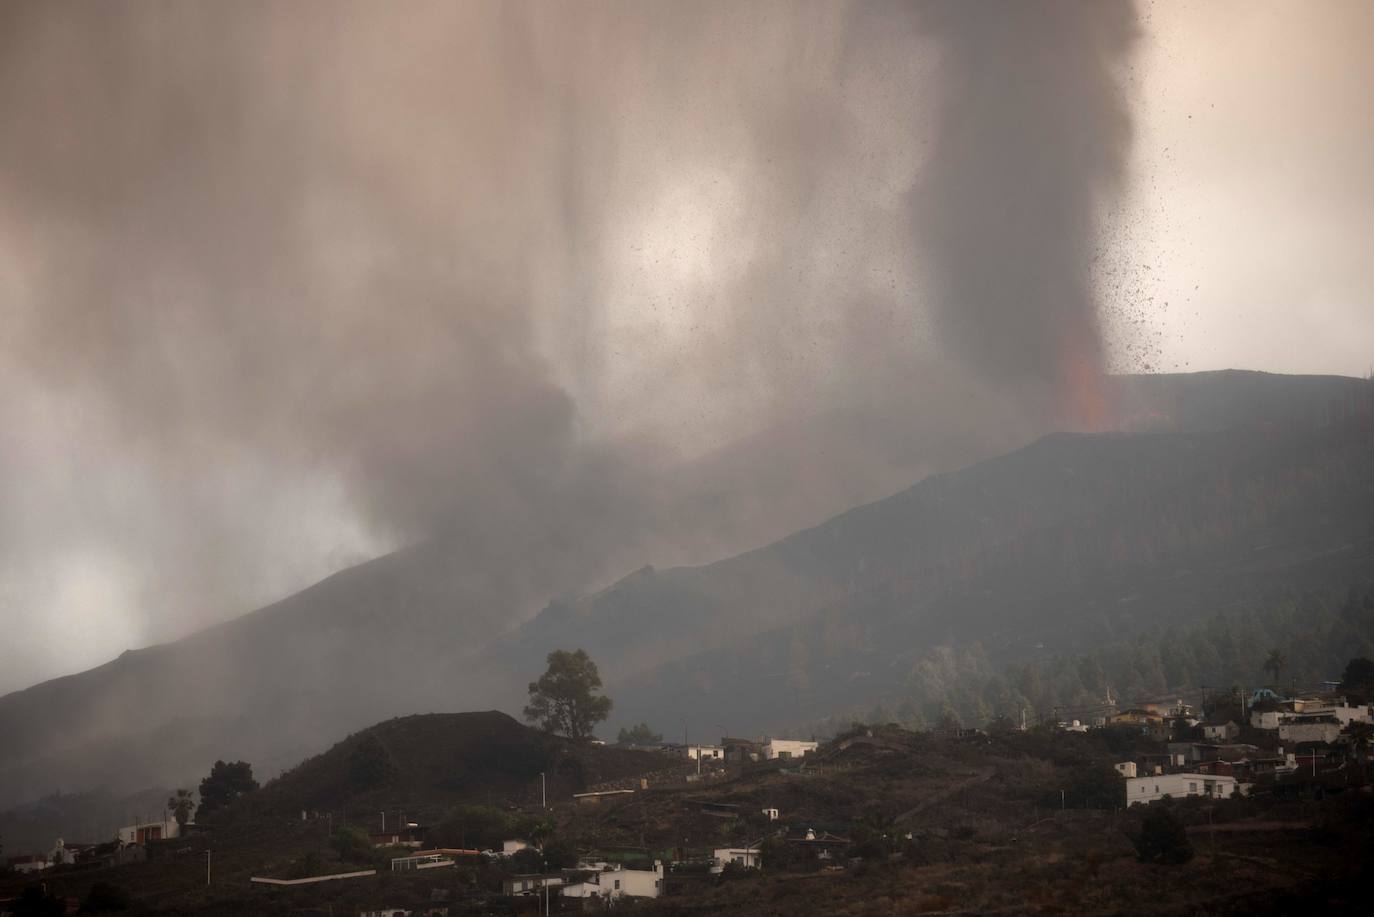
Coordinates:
[676,822]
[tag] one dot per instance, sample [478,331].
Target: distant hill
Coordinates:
[1234,479]
[1065,544]
[429,762]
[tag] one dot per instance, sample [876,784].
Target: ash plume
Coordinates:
[562,289]
[1030,145]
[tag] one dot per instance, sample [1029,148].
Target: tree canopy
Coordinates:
[1358,679]
[639,735]
[226,782]
[1162,838]
[565,698]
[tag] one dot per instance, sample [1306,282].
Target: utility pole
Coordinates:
[543,791]
[207,869]
[384,821]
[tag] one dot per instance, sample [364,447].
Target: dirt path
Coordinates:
[1234,826]
[981,776]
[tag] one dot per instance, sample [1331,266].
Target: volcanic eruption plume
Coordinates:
[563,289]
[1031,138]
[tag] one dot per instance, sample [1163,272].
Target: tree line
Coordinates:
[1304,639]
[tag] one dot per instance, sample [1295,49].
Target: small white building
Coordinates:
[512,847]
[746,857]
[788,748]
[28,863]
[149,831]
[1141,790]
[704,752]
[1125,768]
[612,881]
[1310,729]
[770,813]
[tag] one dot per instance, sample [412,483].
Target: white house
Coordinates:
[144,832]
[31,862]
[1343,713]
[1125,768]
[1141,790]
[1267,719]
[788,748]
[1320,728]
[62,855]
[704,752]
[612,881]
[747,857]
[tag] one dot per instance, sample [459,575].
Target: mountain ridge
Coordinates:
[376,640]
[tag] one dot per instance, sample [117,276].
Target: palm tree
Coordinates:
[1274,664]
[181,806]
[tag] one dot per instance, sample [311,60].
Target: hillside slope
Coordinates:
[1065,542]
[404,634]
[426,763]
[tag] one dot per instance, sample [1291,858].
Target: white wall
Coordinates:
[618,882]
[748,857]
[129,834]
[792,748]
[1141,790]
[1309,732]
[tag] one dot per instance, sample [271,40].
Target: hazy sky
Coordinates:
[284,286]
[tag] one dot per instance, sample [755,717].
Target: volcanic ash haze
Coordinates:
[567,287]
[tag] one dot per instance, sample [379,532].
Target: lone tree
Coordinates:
[565,697]
[226,782]
[181,806]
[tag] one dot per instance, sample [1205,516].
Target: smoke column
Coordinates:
[560,289]
[1031,141]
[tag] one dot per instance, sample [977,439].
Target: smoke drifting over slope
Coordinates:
[569,287]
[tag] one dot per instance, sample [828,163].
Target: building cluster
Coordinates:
[737,751]
[128,846]
[1304,735]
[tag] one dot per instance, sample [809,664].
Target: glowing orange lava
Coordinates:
[1084,395]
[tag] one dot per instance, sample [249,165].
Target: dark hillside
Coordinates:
[430,762]
[1067,544]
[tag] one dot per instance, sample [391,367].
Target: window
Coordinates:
[1192,788]
[617,885]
